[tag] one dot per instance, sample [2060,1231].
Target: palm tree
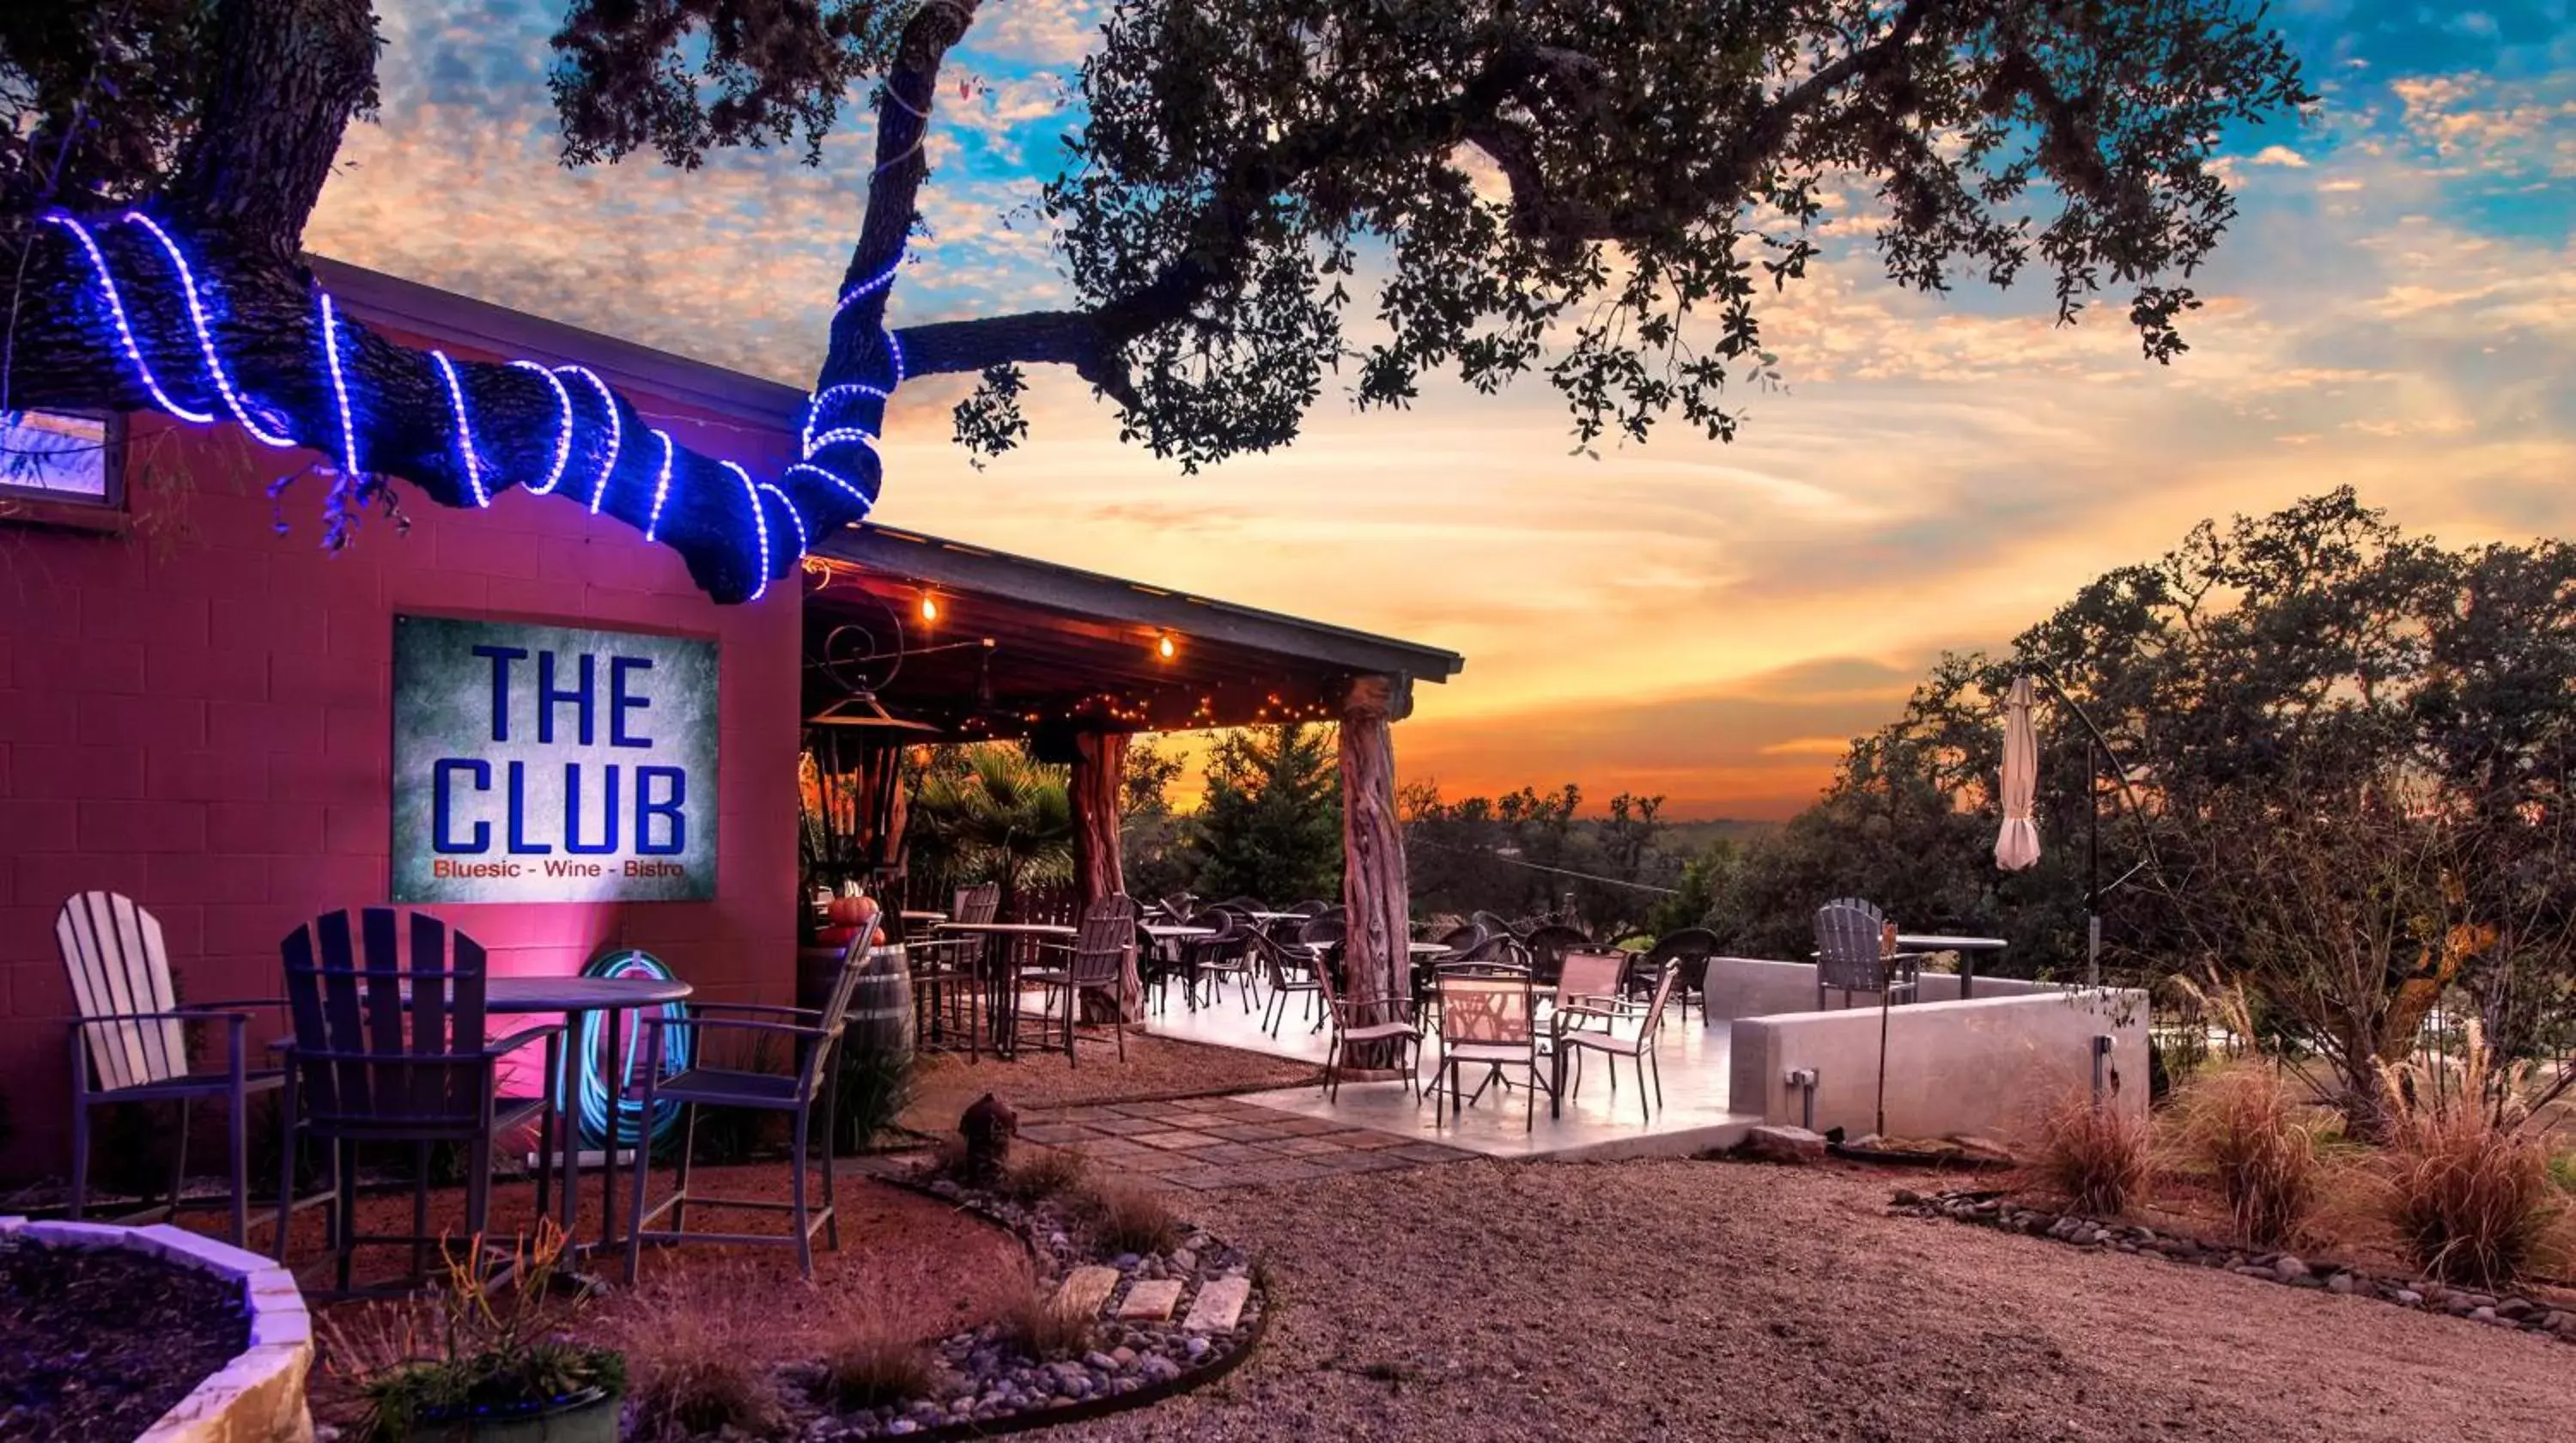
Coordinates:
[1001,817]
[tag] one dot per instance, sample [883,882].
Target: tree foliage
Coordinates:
[1271,824]
[1531,855]
[1260,198]
[2348,750]
[991,813]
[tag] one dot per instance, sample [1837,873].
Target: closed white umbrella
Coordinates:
[2018,846]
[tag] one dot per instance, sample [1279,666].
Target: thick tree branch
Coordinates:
[288,75]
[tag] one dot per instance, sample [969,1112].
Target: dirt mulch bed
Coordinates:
[1156,1067]
[912,1263]
[1720,1300]
[97,1343]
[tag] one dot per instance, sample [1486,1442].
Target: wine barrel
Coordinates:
[880,1015]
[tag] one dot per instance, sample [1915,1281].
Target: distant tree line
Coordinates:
[2342,759]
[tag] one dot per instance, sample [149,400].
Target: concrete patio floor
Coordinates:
[1596,1124]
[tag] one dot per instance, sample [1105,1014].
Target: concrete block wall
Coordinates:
[195,711]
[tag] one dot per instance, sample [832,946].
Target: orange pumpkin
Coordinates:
[851,911]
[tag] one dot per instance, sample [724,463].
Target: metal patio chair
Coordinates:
[1688,951]
[816,1035]
[1627,1030]
[130,1045]
[1359,1020]
[1096,961]
[1225,955]
[389,1048]
[1488,1018]
[944,969]
[1547,948]
[1289,976]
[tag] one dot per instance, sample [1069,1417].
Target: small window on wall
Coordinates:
[61,458]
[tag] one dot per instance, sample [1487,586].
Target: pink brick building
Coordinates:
[196,711]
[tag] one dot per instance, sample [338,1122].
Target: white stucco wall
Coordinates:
[1984,1066]
[1753,987]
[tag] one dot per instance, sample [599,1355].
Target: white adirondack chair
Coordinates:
[130,1041]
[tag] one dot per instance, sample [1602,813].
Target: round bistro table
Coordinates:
[576,998]
[1002,971]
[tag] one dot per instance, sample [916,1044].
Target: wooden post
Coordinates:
[1379,966]
[1099,769]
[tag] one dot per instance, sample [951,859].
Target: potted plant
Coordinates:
[485,1360]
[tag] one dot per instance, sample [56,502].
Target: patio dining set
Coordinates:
[384,1044]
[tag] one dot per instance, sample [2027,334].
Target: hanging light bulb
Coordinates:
[929,607]
[1164,647]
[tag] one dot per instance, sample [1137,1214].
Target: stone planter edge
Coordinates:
[258,1396]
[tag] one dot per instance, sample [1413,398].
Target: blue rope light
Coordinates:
[759,522]
[804,538]
[661,485]
[124,332]
[596,1102]
[339,389]
[464,430]
[616,432]
[563,433]
[819,433]
[205,336]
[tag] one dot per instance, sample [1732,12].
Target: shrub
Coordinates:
[2244,1125]
[1041,1330]
[1044,1172]
[874,1086]
[873,1364]
[1127,1217]
[694,1377]
[2469,1187]
[2096,1157]
[2563,1168]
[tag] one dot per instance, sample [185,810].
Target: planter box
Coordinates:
[258,1397]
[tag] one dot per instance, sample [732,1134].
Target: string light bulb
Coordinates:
[1165,648]
[929,607]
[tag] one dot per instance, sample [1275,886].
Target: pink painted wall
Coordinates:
[196,712]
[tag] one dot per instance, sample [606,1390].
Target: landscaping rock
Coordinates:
[1085,1289]
[1218,1306]
[1785,1144]
[1151,1301]
[2288,1269]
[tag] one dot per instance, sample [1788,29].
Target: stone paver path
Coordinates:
[1201,1144]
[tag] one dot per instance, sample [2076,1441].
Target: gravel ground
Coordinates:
[947,1083]
[1706,1300]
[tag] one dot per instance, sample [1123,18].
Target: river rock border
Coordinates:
[1989,1208]
[258,1397]
[986,1388]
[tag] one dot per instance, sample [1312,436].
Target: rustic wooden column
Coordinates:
[1379,966]
[1099,769]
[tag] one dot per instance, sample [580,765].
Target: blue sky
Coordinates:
[2394,309]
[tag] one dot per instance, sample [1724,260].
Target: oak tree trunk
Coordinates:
[1378,963]
[1099,768]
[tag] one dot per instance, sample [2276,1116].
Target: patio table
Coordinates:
[575,998]
[1002,971]
[1966,947]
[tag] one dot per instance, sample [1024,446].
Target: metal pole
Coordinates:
[2092,863]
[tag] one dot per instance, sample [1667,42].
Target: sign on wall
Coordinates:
[550,764]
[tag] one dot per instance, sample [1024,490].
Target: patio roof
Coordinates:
[1018,645]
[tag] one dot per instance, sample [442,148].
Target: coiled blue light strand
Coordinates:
[606,1115]
[661,485]
[206,337]
[261,422]
[124,331]
[339,388]
[616,432]
[464,429]
[759,523]
[563,433]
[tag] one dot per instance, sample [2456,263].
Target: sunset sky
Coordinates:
[2395,309]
